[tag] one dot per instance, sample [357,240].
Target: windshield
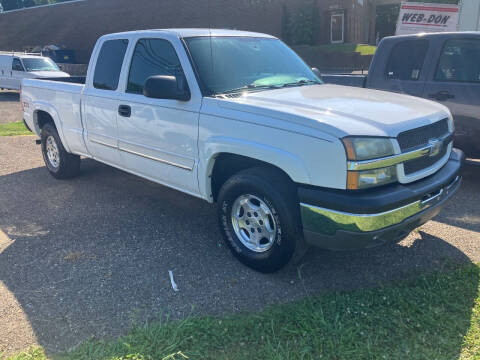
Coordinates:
[229,64]
[39,64]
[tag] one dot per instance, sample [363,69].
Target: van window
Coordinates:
[460,61]
[109,64]
[406,60]
[17,65]
[151,57]
[40,64]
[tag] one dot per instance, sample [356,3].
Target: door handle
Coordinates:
[442,96]
[124,110]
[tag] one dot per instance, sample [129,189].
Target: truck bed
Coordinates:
[63,97]
[70,79]
[64,84]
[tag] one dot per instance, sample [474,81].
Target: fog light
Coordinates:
[369,178]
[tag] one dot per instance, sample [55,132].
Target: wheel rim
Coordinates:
[52,151]
[254,223]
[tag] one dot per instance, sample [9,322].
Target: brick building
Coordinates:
[77,24]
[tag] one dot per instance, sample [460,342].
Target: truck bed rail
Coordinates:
[70,79]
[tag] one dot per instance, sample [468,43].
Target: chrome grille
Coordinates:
[415,138]
[413,166]
[420,136]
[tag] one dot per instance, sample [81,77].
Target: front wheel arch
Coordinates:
[222,166]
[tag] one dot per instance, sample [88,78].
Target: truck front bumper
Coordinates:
[346,220]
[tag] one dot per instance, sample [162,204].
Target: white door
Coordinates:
[5,70]
[6,73]
[158,137]
[100,102]
[337,28]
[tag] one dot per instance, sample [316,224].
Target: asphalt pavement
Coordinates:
[89,257]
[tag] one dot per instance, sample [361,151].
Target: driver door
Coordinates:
[157,138]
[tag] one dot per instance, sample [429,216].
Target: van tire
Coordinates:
[59,163]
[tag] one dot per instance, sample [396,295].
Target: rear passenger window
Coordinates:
[152,57]
[109,64]
[459,61]
[406,60]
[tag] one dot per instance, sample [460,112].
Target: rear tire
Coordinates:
[259,218]
[60,163]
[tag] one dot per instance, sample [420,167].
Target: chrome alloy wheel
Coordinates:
[254,223]
[52,152]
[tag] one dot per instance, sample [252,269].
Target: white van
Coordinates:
[17,66]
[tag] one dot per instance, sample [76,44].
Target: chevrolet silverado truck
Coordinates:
[444,67]
[237,118]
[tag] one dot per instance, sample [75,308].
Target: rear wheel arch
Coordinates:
[41,118]
[43,115]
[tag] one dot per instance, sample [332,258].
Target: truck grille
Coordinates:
[415,138]
[411,139]
[413,166]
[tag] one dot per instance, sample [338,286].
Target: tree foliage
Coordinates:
[301,27]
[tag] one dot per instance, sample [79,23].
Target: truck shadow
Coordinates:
[9,95]
[90,257]
[464,211]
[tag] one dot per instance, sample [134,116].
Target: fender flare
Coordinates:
[49,109]
[290,163]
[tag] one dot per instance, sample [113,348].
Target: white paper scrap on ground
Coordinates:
[174,286]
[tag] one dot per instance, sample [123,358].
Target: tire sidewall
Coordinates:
[284,245]
[48,131]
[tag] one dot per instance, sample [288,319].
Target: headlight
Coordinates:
[365,148]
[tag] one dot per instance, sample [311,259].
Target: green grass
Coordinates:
[428,317]
[360,48]
[13,129]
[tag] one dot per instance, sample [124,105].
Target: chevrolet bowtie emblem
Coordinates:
[436,146]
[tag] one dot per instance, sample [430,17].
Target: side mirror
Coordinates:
[166,87]
[317,72]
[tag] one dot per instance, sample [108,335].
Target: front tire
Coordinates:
[260,220]
[60,163]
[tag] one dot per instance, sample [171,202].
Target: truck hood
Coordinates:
[341,110]
[49,74]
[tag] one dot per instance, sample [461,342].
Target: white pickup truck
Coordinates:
[239,119]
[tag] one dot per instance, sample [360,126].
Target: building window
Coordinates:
[10,5]
[337,27]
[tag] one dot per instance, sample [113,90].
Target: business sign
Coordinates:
[422,17]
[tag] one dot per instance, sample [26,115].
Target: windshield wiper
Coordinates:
[301,83]
[268,87]
[249,87]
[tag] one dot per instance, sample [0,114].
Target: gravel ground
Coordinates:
[10,110]
[90,256]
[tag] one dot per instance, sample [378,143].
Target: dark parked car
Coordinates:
[444,67]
